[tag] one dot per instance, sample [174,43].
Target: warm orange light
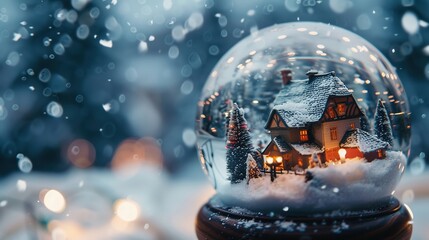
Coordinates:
[342,152]
[279,159]
[270,160]
[54,201]
[127,210]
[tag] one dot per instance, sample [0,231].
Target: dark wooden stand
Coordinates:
[391,220]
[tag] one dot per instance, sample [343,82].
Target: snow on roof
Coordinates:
[281,144]
[304,101]
[363,140]
[307,148]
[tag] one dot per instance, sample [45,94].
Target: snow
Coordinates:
[363,140]
[343,186]
[304,101]
[106,43]
[410,23]
[307,148]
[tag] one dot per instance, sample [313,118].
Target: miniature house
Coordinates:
[319,116]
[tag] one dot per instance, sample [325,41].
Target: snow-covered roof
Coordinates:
[362,140]
[281,144]
[307,148]
[304,101]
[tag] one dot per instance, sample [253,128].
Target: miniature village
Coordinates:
[315,124]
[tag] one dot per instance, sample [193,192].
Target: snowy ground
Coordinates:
[344,186]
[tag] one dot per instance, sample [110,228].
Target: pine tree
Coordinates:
[364,124]
[252,170]
[382,127]
[238,145]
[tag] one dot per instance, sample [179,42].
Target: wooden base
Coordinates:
[218,221]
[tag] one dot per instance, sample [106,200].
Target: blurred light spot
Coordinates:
[320,46]
[44,75]
[189,137]
[178,33]
[107,107]
[339,6]
[133,152]
[373,58]
[313,33]
[82,32]
[12,59]
[79,98]
[3,203]
[251,12]
[407,3]
[16,36]
[410,23]
[195,21]
[59,49]
[24,163]
[292,5]
[167,4]
[81,153]
[335,190]
[173,52]
[286,209]
[281,37]
[407,196]
[94,13]
[187,87]
[363,22]
[426,50]
[79,4]
[21,185]
[54,109]
[106,43]
[423,24]
[213,50]
[151,38]
[417,165]
[127,210]
[54,201]
[223,21]
[143,46]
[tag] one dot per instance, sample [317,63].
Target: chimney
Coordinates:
[310,74]
[286,76]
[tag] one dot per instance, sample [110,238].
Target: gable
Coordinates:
[275,121]
[341,107]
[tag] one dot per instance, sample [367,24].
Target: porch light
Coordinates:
[279,159]
[269,160]
[342,152]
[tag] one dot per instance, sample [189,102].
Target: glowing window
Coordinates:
[352,125]
[380,153]
[303,135]
[341,109]
[333,133]
[331,112]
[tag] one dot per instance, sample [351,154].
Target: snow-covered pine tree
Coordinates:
[252,170]
[364,124]
[382,127]
[238,145]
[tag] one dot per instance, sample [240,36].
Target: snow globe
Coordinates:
[303,129]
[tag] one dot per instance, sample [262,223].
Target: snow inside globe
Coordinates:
[303,117]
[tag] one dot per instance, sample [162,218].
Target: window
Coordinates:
[303,135]
[380,153]
[341,109]
[333,133]
[331,112]
[352,126]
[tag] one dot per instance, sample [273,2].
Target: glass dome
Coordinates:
[303,114]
